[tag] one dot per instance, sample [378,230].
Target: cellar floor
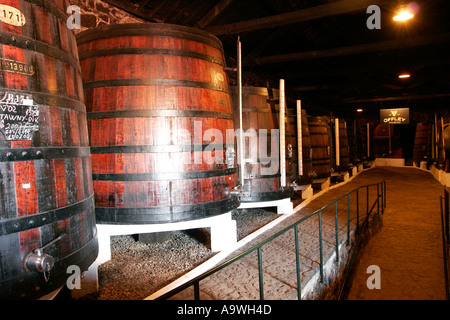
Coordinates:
[407,249]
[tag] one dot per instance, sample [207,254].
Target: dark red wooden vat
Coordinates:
[422,142]
[45,170]
[158,99]
[261,170]
[352,133]
[381,136]
[320,144]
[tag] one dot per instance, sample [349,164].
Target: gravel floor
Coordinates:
[137,269]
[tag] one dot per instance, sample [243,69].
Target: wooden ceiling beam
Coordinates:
[357,49]
[398,98]
[321,11]
[136,11]
[213,13]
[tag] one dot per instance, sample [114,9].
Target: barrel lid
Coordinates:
[150,29]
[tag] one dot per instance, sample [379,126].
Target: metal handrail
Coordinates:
[381,196]
[445,209]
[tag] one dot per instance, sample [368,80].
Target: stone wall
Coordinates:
[95,13]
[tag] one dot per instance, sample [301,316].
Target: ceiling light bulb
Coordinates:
[403,16]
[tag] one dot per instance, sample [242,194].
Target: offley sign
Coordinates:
[394,116]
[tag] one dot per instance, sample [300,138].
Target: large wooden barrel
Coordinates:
[261,168]
[291,143]
[159,107]
[422,142]
[320,145]
[382,133]
[352,133]
[46,193]
[364,146]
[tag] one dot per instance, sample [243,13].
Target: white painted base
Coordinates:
[345,175]
[306,190]
[223,236]
[440,175]
[284,206]
[391,162]
[324,183]
[423,165]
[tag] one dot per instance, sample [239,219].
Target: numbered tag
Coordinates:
[11,15]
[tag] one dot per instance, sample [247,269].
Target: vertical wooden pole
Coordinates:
[241,132]
[299,138]
[282,135]
[368,140]
[336,134]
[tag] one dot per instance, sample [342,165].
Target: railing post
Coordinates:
[348,219]
[378,199]
[320,246]
[367,200]
[197,290]
[357,210]
[444,245]
[260,270]
[297,261]
[337,231]
[447,209]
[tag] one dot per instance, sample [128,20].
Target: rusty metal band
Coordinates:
[151,51]
[156,148]
[159,113]
[23,42]
[163,176]
[155,82]
[177,213]
[37,220]
[43,153]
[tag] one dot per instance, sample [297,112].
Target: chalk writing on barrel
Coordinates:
[19,117]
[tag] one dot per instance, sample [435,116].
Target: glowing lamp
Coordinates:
[403,16]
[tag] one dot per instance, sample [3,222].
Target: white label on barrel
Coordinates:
[19,118]
[26,185]
[11,15]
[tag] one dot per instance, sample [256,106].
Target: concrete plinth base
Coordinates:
[321,184]
[306,191]
[223,236]
[283,205]
[440,175]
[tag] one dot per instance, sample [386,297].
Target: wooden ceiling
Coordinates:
[324,50]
